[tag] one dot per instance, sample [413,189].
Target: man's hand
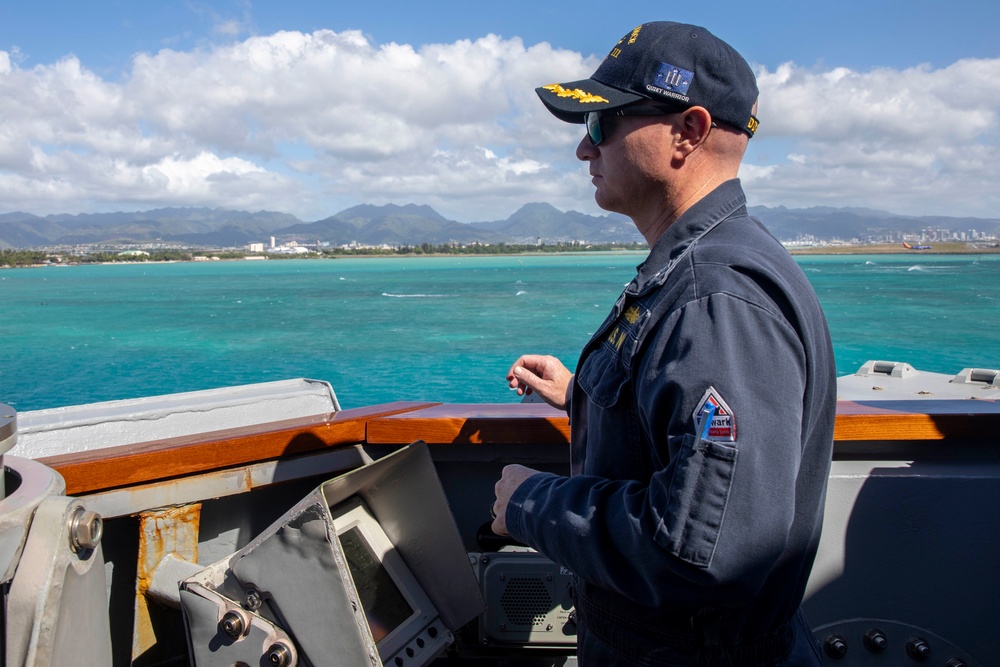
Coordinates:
[544,375]
[513,476]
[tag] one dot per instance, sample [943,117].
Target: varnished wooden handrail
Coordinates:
[126,465]
[460,423]
[926,422]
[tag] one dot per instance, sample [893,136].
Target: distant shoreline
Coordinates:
[959,248]
[947,248]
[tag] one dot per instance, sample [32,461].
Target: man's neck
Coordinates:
[675,203]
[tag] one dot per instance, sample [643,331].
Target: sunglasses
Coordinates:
[596,132]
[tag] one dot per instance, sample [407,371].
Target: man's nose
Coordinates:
[586,150]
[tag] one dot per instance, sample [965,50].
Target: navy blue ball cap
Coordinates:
[666,62]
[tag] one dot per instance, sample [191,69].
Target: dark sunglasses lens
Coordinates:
[593,121]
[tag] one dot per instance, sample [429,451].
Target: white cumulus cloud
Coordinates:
[311,123]
[918,141]
[318,120]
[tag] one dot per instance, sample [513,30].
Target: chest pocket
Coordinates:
[602,377]
[613,444]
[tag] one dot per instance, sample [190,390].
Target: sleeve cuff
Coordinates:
[520,506]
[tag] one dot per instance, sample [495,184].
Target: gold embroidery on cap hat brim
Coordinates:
[580,95]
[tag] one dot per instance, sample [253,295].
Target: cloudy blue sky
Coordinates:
[310,107]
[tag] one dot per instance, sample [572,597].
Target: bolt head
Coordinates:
[253,600]
[232,624]
[279,655]
[876,641]
[835,646]
[86,530]
[918,649]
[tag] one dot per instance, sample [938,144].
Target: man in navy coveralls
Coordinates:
[702,409]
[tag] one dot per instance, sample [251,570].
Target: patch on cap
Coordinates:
[673,79]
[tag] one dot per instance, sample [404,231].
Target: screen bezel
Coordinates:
[352,513]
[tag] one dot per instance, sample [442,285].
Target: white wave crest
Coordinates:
[414,296]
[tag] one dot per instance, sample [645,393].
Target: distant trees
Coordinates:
[22,257]
[153,256]
[37,257]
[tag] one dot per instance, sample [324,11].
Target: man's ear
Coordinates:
[696,123]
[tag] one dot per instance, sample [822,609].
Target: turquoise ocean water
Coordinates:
[442,329]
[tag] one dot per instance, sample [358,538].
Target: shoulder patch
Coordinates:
[713,419]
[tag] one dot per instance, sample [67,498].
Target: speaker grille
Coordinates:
[526,601]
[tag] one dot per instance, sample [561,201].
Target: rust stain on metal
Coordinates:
[171,530]
[161,532]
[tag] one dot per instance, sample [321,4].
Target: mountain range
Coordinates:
[413,224]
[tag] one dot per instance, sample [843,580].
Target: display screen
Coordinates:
[384,604]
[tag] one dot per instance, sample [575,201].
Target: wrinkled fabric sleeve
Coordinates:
[714,517]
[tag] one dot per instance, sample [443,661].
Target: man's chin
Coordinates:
[607,203]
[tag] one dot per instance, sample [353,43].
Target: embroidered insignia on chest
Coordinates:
[626,325]
[713,419]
